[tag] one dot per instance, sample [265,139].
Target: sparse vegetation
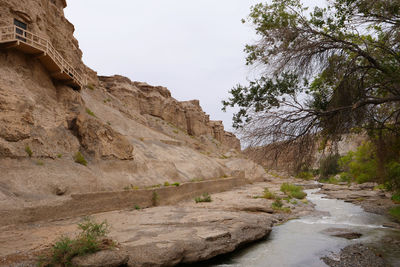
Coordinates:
[293,190]
[91,113]
[91,239]
[90,86]
[277,204]
[268,194]
[203,198]
[396,198]
[137,207]
[176,131]
[167,184]
[106,100]
[305,175]
[39,163]
[59,156]
[224,176]
[79,158]
[155,198]
[176,184]
[28,151]
[395,213]
[195,180]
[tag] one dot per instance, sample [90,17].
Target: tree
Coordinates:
[325,72]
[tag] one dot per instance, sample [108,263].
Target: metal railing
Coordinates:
[15,33]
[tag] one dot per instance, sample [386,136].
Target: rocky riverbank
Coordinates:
[166,235]
[365,195]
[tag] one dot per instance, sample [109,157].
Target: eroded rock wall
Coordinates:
[131,134]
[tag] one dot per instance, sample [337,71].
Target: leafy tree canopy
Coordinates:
[326,71]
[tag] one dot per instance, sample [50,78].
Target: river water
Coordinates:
[301,242]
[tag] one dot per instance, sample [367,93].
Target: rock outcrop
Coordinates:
[131,134]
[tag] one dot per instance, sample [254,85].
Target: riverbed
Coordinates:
[303,241]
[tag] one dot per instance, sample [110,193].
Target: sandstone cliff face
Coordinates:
[131,133]
[157,101]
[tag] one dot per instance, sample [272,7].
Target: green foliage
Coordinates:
[278,206]
[396,198]
[305,175]
[79,158]
[137,207]
[155,198]
[176,184]
[393,175]
[395,213]
[203,198]
[268,195]
[329,166]
[59,156]
[323,76]
[360,165]
[28,151]
[167,184]
[89,240]
[175,131]
[293,191]
[91,113]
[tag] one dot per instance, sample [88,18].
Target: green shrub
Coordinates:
[28,151]
[277,204]
[393,175]
[329,166]
[175,131]
[268,195]
[203,198]
[91,113]
[360,165]
[293,190]
[137,207]
[306,175]
[167,184]
[176,184]
[396,198]
[79,158]
[395,213]
[59,156]
[90,240]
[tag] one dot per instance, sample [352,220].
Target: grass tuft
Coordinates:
[28,151]
[91,239]
[91,113]
[395,213]
[79,158]
[203,198]
[268,195]
[293,190]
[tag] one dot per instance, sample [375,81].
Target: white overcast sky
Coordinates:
[192,47]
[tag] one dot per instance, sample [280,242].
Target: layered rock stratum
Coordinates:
[66,153]
[131,133]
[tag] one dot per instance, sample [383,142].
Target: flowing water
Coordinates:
[301,242]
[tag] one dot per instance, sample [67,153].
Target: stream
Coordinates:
[301,242]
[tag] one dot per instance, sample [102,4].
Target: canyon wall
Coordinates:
[131,134]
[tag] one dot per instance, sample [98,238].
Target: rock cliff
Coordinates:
[131,134]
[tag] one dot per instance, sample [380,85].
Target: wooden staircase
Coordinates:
[40,48]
